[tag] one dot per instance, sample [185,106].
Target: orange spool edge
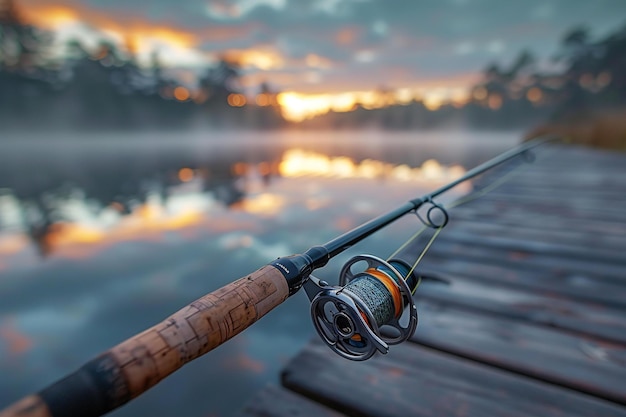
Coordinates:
[391,286]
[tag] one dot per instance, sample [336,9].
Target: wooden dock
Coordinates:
[533,322]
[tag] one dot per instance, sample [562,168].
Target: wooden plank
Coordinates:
[526,210]
[274,401]
[585,288]
[574,238]
[535,220]
[592,178]
[565,186]
[595,320]
[572,208]
[576,278]
[523,259]
[418,381]
[581,250]
[549,171]
[579,362]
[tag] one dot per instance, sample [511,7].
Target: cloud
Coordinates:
[263,57]
[14,341]
[244,362]
[465,48]
[348,35]
[237,9]
[361,38]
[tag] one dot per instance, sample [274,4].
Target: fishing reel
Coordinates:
[368,311]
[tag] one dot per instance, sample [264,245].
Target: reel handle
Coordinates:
[135,365]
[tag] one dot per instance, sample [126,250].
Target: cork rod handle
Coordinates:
[137,364]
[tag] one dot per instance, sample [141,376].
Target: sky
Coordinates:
[430,48]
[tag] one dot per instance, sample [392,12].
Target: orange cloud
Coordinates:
[128,29]
[261,57]
[347,36]
[267,204]
[147,222]
[244,362]
[317,61]
[132,30]
[217,33]
[11,244]
[17,342]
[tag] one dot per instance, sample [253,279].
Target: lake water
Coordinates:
[103,236]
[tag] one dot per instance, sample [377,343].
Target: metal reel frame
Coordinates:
[405,333]
[339,330]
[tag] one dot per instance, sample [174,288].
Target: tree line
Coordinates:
[107,89]
[587,77]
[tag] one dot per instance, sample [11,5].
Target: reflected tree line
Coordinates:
[106,88]
[44,190]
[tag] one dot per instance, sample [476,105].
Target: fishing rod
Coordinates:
[348,317]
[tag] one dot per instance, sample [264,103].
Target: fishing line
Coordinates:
[481,192]
[419,259]
[409,240]
[528,155]
[429,224]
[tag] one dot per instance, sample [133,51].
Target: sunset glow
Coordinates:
[10,244]
[76,240]
[52,17]
[261,58]
[266,204]
[177,45]
[135,33]
[297,107]
[298,162]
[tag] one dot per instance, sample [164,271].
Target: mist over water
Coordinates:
[105,235]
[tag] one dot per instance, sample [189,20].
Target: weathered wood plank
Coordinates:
[576,286]
[573,208]
[536,220]
[580,280]
[547,309]
[605,254]
[579,362]
[573,239]
[522,258]
[564,186]
[417,381]
[274,401]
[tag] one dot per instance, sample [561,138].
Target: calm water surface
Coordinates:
[103,236]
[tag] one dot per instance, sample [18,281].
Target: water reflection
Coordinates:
[125,203]
[132,234]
